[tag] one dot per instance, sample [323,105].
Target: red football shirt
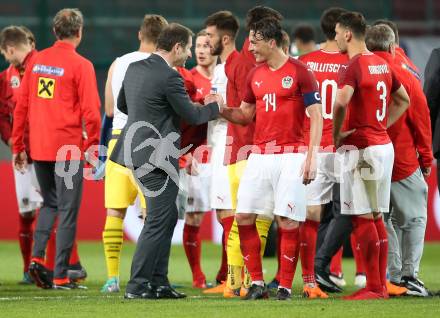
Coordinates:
[325,65]
[411,133]
[373,81]
[281,97]
[237,69]
[202,85]
[197,87]
[14,76]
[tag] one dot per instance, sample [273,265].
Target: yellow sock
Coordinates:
[247,280]
[234,277]
[233,249]
[112,237]
[235,260]
[263,226]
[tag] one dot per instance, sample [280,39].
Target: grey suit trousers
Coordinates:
[61,199]
[406,225]
[150,261]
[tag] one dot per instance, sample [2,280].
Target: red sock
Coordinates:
[223,271]
[289,256]
[383,255]
[192,246]
[280,233]
[51,251]
[308,232]
[25,239]
[250,245]
[357,255]
[368,240]
[336,263]
[74,256]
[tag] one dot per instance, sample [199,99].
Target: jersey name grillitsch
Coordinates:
[324,67]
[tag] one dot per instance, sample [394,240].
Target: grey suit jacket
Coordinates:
[154,98]
[432,92]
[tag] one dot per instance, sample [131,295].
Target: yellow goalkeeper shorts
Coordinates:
[235,171]
[121,188]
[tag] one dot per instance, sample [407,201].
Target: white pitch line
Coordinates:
[20,298]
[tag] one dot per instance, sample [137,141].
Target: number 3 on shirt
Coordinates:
[270,100]
[383,97]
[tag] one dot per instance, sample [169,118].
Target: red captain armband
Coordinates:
[311,98]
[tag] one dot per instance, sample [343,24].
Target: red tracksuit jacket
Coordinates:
[58,95]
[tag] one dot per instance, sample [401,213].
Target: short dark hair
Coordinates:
[328,21]
[392,25]
[355,22]
[305,33]
[260,12]
[171,35]
[151,26]
[225,22]
[67,23]
[13,36]
[269,28]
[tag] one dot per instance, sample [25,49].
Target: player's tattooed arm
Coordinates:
[398,105]
[242,115]
[343,97]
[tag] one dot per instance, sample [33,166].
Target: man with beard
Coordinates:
[221,29]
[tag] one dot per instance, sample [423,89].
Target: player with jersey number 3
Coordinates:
[370,93]
[273,183]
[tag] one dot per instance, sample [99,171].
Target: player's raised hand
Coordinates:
[20,161]
[339,138]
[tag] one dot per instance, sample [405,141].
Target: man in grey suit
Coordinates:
[154,98]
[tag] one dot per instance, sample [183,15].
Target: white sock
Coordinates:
[288,289]
[258,283]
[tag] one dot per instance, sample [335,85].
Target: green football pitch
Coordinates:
[29,301]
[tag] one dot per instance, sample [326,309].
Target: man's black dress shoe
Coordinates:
[148,293]
[167,292]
